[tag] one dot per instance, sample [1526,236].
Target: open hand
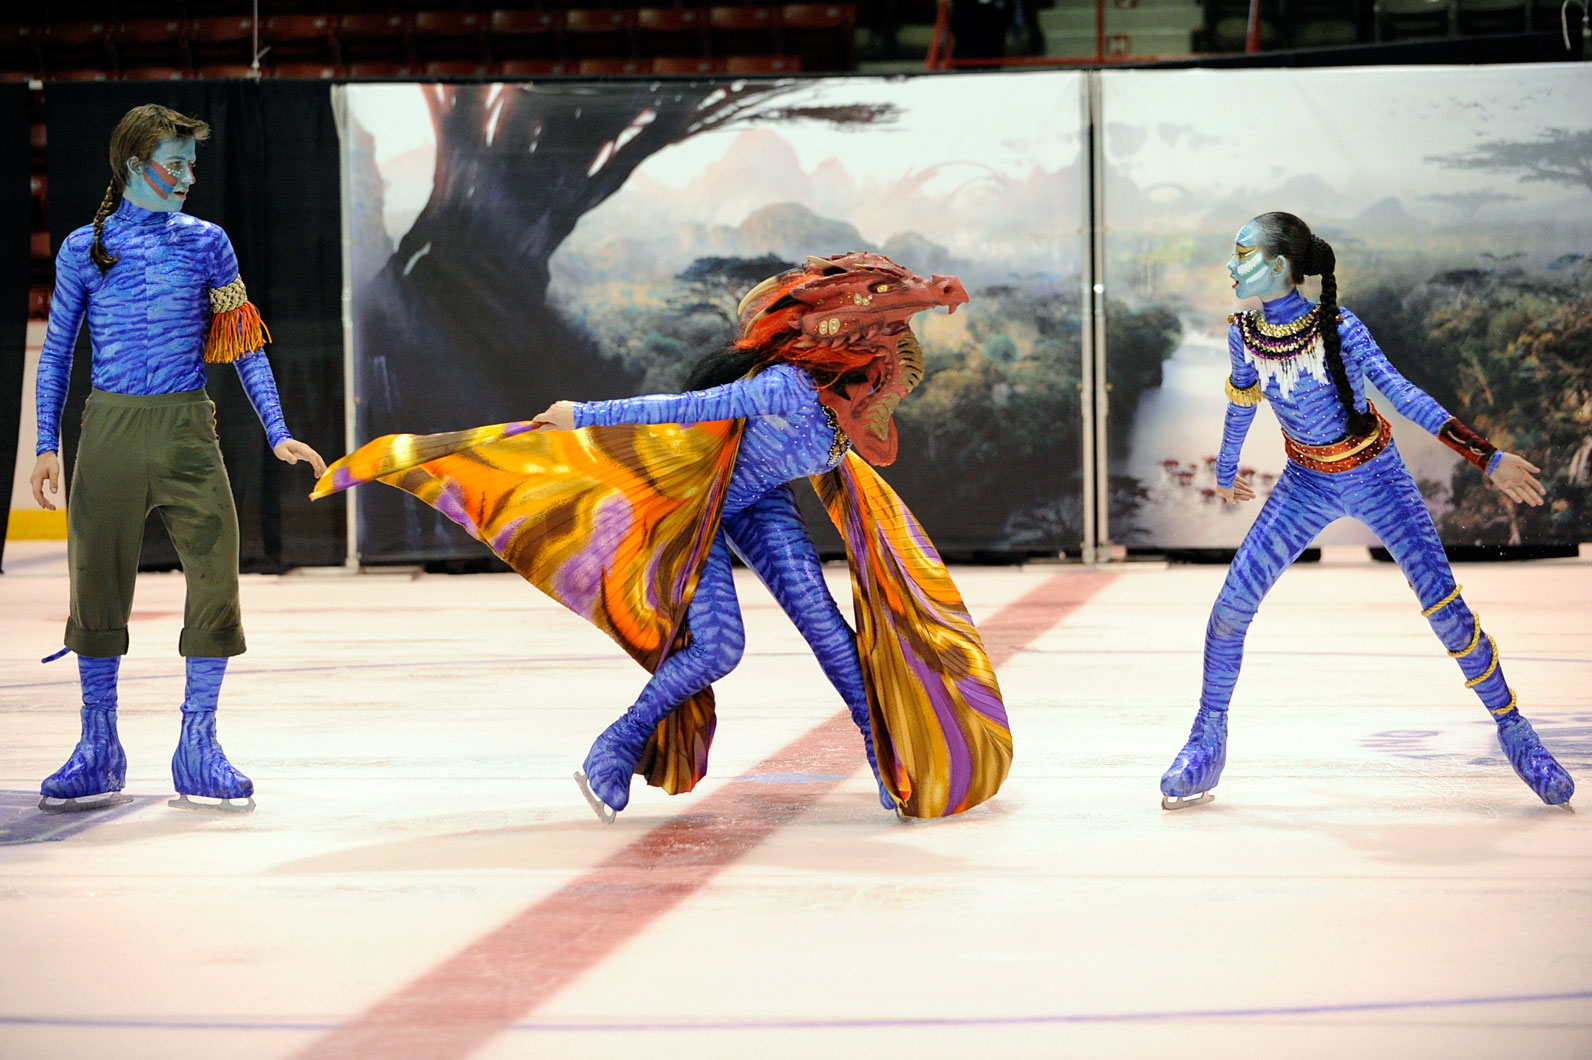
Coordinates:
[559,416]
[46,469]
[1516,478]
[291,451]
[1240,490]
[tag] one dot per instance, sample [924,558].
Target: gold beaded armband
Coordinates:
[236,329]
[1248,397]
[225,299]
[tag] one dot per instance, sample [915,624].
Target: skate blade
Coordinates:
[84,802]
[598,806]
[183,802]
[1183,802]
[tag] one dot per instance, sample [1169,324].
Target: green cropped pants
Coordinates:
[141,454]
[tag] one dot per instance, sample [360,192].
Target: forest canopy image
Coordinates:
[1465,252]
[518,244]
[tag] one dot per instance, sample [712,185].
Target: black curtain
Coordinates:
[269,176]
[15,224]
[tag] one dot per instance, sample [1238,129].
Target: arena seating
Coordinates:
[63,40]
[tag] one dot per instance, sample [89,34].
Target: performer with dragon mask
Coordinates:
[627,512]
[1312,363]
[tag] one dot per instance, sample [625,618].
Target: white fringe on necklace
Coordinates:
[1286,372]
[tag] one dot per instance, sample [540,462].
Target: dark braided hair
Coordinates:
[101,256]
[137,135]
[1310,255]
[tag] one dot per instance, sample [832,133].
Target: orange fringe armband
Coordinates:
[236,329]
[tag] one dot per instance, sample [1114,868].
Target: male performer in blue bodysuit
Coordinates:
[162,296]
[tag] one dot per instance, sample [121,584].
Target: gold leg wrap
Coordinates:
[1475,638]
[1444,602]
[1474,681]
[1499,712]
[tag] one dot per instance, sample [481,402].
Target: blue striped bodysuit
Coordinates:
[1379,493]
[788,435]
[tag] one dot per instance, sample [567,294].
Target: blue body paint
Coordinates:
[1381,494]
[787,436]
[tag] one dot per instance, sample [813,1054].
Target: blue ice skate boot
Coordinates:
[92,778]
[859,715]
[1198,766]
[200,767]
[604,776]
[1532,762]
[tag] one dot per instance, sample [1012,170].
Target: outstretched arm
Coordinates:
[1513,475]
[258,382]
[1243,394]
[237,334]
[769,393]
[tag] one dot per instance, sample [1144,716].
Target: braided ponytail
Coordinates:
[101,256]
[1310,255]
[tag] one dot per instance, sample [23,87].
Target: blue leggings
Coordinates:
[1382,495]
[770,536]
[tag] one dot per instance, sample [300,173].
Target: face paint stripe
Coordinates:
[160,179]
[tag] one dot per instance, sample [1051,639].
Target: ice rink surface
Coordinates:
[423,879]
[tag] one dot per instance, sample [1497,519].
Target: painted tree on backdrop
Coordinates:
[462,304]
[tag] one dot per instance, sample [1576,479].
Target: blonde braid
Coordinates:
[101,256]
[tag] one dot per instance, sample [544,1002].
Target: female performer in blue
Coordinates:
[162,296]
[1312,362]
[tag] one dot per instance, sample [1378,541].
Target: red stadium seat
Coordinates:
[448,35]
[375,69]
[536,68]
[743,30]
[671,31]
[598,34]
[19,51]
[374,38]
[79,73]
[822,34]
[524,34]
[39,303]
[611,67]
[150,42]
[301,38]
[762,64]
[76,44]
[675,65]
[154,73]
[226,71]
[307,71]
[457,68]
[39,245]
[221,40]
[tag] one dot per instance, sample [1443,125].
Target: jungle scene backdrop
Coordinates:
[517,244]
[1459,202]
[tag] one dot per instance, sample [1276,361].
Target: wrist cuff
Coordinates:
[1467,443]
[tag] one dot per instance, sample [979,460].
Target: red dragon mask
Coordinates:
[844,319]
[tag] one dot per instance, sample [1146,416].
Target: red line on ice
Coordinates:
[455,1008]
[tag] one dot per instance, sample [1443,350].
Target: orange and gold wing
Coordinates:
[612,522]
[939,725]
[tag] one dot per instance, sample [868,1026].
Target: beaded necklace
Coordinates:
[1283,353]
